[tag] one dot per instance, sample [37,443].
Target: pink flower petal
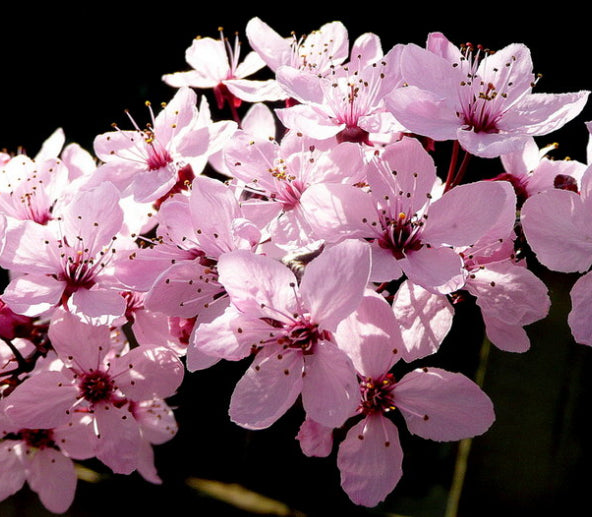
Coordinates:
[309,120]
[330,389]
[118,438]
[370,460]
[33,294]
[506,336]
[226,337]
[99,306]
[255,282]
[542,113]
[178,113]
[333,283]
[509,292]
[557,228]
[438,270]
[443,406]
[490,145]
[146,466]
[77,439]
[579,318]
[466,212]
[43,401]
[315,439]
[148,371]
[268,388]
[423,112]
[274,49]
[370,336]
[67,331]
[53,477]
[338,212]
[156,420]
[183,289]
[385,267]
[300,84]
[12,470]
[94,217]
[425,319]
[256,91]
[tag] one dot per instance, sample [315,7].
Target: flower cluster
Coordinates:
[312,232]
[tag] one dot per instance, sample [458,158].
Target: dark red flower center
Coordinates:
[96,386]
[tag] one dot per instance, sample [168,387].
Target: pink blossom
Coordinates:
[43,459]
[67,262]
[173,147]
[97,381]
[509,294]
[280,172]
[29,189]
[348,104]
[289,325]
[216,64]
[315,439]
[316,52]
[435,404]
[482,99]
[157,425]
[178,270]
[531,170]
[412,228]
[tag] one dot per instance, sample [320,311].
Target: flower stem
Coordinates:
[455,176]
[452,167]
[464,446]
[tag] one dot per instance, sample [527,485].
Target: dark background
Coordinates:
[80,68]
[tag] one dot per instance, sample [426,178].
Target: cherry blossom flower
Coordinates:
[316,52]
[425,319]
[348,104]
[279,172]
[178,271]
[30,189]
[499,281]
[172,148]
[39,458]
[67,262]
[412,227]
[217,64]
[94,380]
[482,99]
[290,326]
[435,404]
[531,170]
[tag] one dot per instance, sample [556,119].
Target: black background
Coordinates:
[80,68]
